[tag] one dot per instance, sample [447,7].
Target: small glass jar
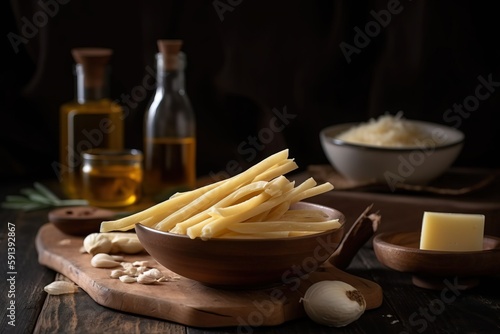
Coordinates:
[112,178]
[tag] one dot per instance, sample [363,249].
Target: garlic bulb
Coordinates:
[333,303]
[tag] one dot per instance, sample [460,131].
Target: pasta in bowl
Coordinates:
[248,230]
[245,262]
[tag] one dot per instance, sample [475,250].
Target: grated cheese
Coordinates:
[388,131]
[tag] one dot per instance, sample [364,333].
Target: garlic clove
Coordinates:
[117,273]
[127,244]
[155,273]
[60,288]
[97,243]
[146,278]
[127,279]
[333,303]
[103,260]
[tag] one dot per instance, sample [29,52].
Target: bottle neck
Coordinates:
[90,85]
[170,78]
[171,81]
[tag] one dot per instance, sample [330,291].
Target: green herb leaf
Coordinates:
[38,197]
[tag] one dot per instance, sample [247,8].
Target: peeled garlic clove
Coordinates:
[333,303]
[97,243]
[127,244]
[146,279]
[140,263]
[117,258]
[127,279]
[60,288]
[117,273]
[103,260]
[155,273]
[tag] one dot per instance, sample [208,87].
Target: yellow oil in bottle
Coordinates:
[169,128]
[91,120]
[169,166]
[93,124]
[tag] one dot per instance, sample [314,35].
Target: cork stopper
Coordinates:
[170,50]
[93,62]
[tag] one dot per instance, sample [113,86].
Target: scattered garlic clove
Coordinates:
[140,263]
[117,273]
[126,265]
[60,288]
[155,273]
[333,303]
[146,279]
[132,271]
[127,279]
[103,260]
[128,245]
[117,257]
[96,243]
[141,269]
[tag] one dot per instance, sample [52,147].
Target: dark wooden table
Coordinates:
[26,308]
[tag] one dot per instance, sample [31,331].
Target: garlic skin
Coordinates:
[333,303]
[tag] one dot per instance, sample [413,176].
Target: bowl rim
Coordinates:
[368,147]
[381,242]
[342,221]
[429,262]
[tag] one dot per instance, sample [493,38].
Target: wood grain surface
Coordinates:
[182,300]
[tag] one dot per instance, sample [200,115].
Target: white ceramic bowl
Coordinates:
[416,165]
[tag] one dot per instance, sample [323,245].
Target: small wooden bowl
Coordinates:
[433,269]
[243,263]
[79,220]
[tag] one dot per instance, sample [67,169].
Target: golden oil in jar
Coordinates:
[112,178]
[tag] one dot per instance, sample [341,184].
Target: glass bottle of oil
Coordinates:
[169,128]
[92,120]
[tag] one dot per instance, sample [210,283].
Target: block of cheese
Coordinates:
[459,232]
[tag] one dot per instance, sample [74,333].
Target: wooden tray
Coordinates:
[183,300]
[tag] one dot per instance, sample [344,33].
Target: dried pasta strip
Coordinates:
[273,188]
[281,168]
[269,226]
[260,235]
[214,195]
[310,215]
[216,227]
[181,227]
[277,211]
[320,189]
[155,213]
[195,230]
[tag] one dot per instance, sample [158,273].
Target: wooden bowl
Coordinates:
[430,269]
[243,263]
[79,220]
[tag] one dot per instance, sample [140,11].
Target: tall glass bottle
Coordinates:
[169,128]
[92,120]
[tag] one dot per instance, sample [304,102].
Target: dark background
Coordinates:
[246,58]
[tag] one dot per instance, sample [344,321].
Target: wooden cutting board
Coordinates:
[183,300]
